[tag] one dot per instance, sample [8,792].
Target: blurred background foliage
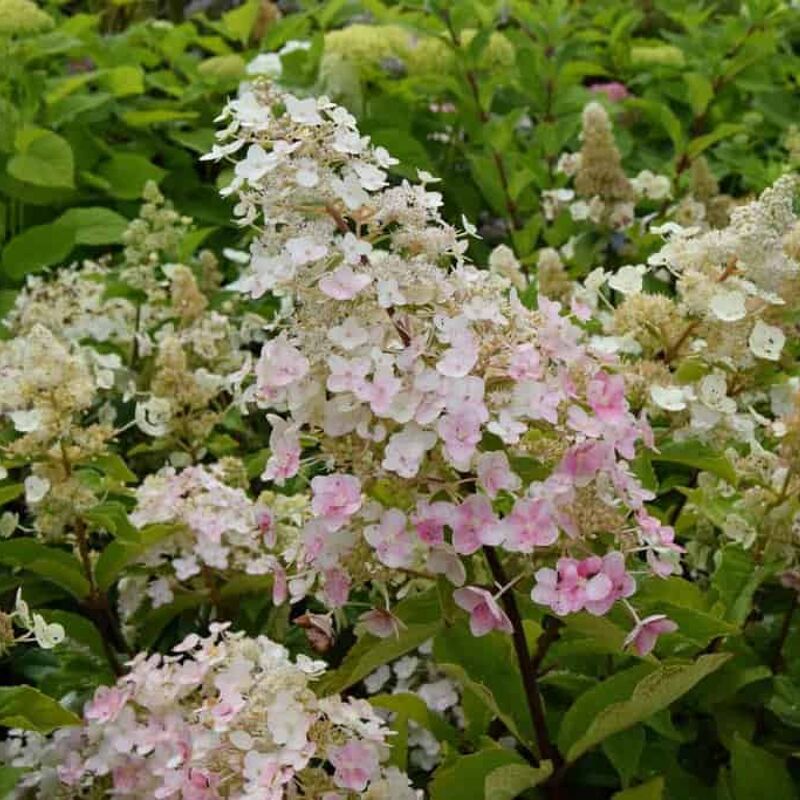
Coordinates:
[96,98]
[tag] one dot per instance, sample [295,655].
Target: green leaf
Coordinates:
[413,707]
[623,750]
[127,173]
[238,24]
[153,623]
[142,118]
[94,225]
[699,455]
[585,725]
[112,465]
[111,516]
[42,158]
[10,492]
[465,777]
[700,91]
[9,778]
[124,81]
[491,669]
[510,780]
[57,566]
[422,620]
[736,579]
[27,708]
[756,774]
[652,790]
[36,248]
[722,131]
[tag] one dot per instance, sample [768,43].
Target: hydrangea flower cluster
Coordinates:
[425,383]
[224,716]
[213,530]
[726,317]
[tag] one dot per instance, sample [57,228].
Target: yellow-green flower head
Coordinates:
[365,46]
[20,17]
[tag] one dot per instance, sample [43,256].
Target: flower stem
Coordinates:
[547,749]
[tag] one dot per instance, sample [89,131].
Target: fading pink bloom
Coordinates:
[381,391]
[343,283]
[525,363]
[460,430]
[443,561]
[484,612]
[430,519]
[391,539]
[475,525]
[337,587]
[106,704]
[618,583]
[266,525]
[606,396]
[381,622]
[199,784]
[335,498]
[530,524]
[355,764]
[347,374]
[583,461]
[593,584]
[280,364]
[613,90]
[495,474]
[645,634]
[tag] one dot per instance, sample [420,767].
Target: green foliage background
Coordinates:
[97,99]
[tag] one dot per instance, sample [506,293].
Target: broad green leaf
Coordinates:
[465,777]
[10,492]
[659,689]
[491,667]
[112,517]
[42,158]
[77,628]
[757,774]
[700,91]
[124,80]
[127,173]
[623,750]
[112,465]
[27,708]
[510,780]
[422,620]
[736,579]
[699,455]
[239,22]
[57,566]
[702,143]
[94,225]
[652,790]
[151,625]
[142,118]
[413,707]
[35,248]
[9,778]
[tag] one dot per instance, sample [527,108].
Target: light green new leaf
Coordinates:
[27,708]
[42,158]
[592,718]
[465,777]
[510,780]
